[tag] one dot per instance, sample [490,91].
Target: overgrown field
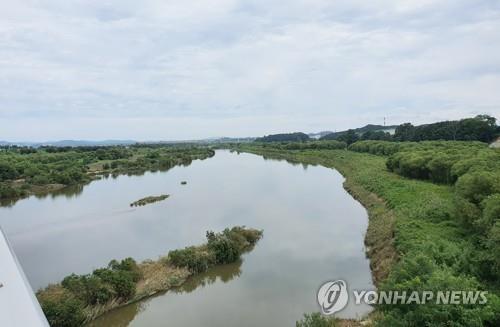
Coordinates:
[423,235]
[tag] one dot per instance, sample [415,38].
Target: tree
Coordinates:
[348,137]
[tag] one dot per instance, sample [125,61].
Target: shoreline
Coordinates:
[78,299]
[379,237]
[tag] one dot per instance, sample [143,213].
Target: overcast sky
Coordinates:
[181,69]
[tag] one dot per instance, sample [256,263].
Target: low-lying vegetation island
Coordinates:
[148,200]
[81,298]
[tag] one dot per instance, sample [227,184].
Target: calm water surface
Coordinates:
[313,232]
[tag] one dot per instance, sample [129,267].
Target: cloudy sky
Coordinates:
[185,69]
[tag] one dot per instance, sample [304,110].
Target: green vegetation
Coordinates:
[221,248]
[81,298]
[350,136]
[25,171]
[148,200]
[289,137]
[480,128]
[306,145]
[438,230]
[368,132]
[316,320]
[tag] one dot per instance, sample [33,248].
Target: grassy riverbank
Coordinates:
[81,298]
[29,171]
[414,239]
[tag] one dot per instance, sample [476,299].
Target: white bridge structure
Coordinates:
[18,304]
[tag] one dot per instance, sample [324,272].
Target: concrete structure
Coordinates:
[18,304]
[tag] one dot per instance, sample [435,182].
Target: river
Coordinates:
[313,232]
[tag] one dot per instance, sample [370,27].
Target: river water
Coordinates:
[313,232]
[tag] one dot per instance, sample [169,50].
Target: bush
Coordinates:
[66,311]
[221,248]
[476,186]
[6,191]
[420,273]
[192,258]
[315,320]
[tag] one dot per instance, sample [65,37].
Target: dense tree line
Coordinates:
[288,137]
[368,132]
[310,145]
[21,168]
[481,128]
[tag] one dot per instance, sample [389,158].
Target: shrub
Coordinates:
[476,186]
[315,320]
[192,258]
[65,311]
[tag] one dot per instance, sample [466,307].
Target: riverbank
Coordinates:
[79,299]
[379,239]
[414,240]
[47,171]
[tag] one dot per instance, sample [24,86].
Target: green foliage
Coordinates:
[309,145]
[376,135]
[192,258]
[421,273]
[104,284]
[480,128]
[6,191]
[221,248]
[288,137]
[444,241]
[7,171]
[350,136]
[64,311]
[315,320]
[476,186]
[68,166]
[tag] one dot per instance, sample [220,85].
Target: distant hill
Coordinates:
[287,137]
[70,143]
[361,130]
[227,140]
[319,134]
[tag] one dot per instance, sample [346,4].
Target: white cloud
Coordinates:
[175,69]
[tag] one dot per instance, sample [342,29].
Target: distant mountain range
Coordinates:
[73,143]
[319,134]
[76,143]
[370,127]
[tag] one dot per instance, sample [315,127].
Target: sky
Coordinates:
[180,69]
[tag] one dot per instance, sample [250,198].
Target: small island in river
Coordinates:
[79,299]
[148,200]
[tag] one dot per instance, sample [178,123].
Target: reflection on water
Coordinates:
[123,316]
[75,190]
[313,232]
